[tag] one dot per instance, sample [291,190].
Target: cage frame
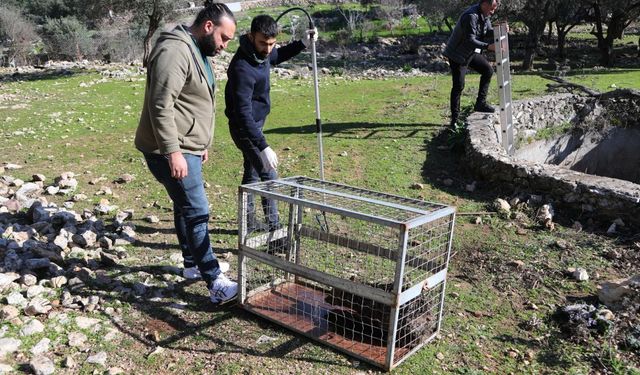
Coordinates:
[393,299]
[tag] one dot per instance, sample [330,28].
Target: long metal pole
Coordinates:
[317,94]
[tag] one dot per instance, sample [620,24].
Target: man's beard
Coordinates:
[207,45]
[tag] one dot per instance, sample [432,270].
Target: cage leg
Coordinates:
[242,229]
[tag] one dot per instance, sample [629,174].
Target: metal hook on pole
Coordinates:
[314,63]
[321,219]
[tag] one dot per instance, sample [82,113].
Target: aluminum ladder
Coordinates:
[503,71]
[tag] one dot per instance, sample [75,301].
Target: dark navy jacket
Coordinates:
[247,92]
[468,34]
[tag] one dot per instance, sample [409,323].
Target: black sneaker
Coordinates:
[484,107]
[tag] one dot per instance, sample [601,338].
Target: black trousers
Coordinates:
[458,71]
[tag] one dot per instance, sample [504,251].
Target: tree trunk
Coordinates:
[606,52]
[530,47]
[550,35]
[562,39]
[147,45]
[154,23]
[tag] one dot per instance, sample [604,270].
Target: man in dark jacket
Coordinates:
[464,50]
[248,104]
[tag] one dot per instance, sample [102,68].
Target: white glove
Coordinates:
[269,159]
[308,34]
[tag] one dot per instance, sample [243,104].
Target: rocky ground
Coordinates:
[68,274]
[56,274]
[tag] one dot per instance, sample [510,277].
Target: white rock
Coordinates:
[29,279]
[37,306]
[98,359]
[545,212]
[77,339]
[9,312]
[8,346]
[35,290]
[52,190]
[58,281]
[580,274]
[85,323]
[41,347]
[16,299]
[7,278]
[612,292]
[69,362]
[111,335]
[31,328]
[153,219]
[176,258]
[502,206]
[61,241]
[42,365]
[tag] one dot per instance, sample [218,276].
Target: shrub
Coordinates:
[118,38]
[68,38]
[17,37]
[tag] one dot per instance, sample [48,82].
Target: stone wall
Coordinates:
[602,198]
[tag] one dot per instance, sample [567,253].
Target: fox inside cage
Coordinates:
[361,271]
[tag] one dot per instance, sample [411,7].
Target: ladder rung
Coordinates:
[504,60]
[503,37]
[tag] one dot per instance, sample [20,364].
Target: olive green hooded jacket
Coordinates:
[179,102]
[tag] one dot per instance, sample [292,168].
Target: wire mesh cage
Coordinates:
[361,271]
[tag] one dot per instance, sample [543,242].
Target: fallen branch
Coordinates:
[569,85]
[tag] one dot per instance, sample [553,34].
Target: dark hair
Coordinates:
[264,24]
[213,12]
[489,1]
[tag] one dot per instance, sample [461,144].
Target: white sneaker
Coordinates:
[223,289]
[193,273]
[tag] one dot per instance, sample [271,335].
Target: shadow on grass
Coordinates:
[166,323]
[549,352]
[444,160]
[354,130]
[44,74]
[146,229]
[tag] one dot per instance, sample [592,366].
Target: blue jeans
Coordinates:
[190,213]
[254,171]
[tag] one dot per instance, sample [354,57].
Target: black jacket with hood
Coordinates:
[468,34]
[247,92]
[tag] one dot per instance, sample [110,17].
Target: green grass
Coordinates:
[390,132]
[551,132]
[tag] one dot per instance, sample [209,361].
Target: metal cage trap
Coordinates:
[361,271]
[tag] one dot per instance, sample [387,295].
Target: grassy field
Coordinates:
[391,131]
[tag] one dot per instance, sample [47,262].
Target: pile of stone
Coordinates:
[114,70]
[49,255]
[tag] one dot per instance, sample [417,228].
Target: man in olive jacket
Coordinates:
[176,129]
[464,50]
